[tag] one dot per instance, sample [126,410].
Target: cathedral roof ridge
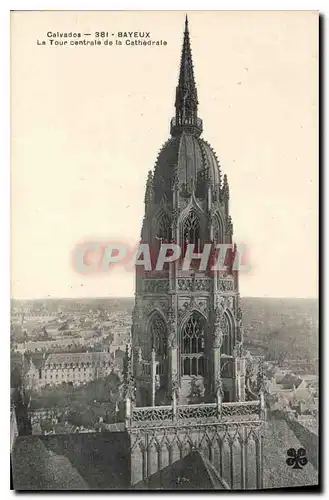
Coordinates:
[209,145]
[162,147]
[203,151]
[184,157]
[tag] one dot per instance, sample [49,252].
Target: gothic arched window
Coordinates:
[164,228]
[193,346]
[191,232]
[163,234]
[201,186]
[192,228]
[228,340]
[218,229]
[159,342]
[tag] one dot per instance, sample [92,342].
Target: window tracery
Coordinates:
[192,235]
[164,228]
[159,342]
[218,229]
[193,346]
[228,340]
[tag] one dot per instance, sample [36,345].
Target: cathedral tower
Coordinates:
[187,322]
[187,365]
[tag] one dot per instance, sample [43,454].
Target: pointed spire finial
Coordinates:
[186,102]
[226,189]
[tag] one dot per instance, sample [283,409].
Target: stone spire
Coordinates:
[186,102]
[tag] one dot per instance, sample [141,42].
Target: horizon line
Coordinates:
[133,297]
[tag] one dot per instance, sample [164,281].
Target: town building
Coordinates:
[74,368]
[48,345]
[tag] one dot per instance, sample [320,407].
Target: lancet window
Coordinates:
[193,346]
[228,340]
[159,342]
[164,228]
[218,230]
[191,232]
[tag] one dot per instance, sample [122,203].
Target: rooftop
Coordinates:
[193,472]
[102,461]
[77,357]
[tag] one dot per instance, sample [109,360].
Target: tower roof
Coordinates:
[186,102]
[186,161]
[190,158]
[186,96]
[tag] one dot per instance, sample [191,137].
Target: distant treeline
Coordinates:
[282,329]
[276,328]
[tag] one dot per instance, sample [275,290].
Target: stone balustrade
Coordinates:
[157,416]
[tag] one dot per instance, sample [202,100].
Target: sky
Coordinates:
[87,123]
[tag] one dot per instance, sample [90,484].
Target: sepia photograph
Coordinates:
[164,323]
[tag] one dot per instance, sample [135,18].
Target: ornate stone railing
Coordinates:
[187,121]
[151,414]
[203,413]
[197,411]
[191,123]
[245,409]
